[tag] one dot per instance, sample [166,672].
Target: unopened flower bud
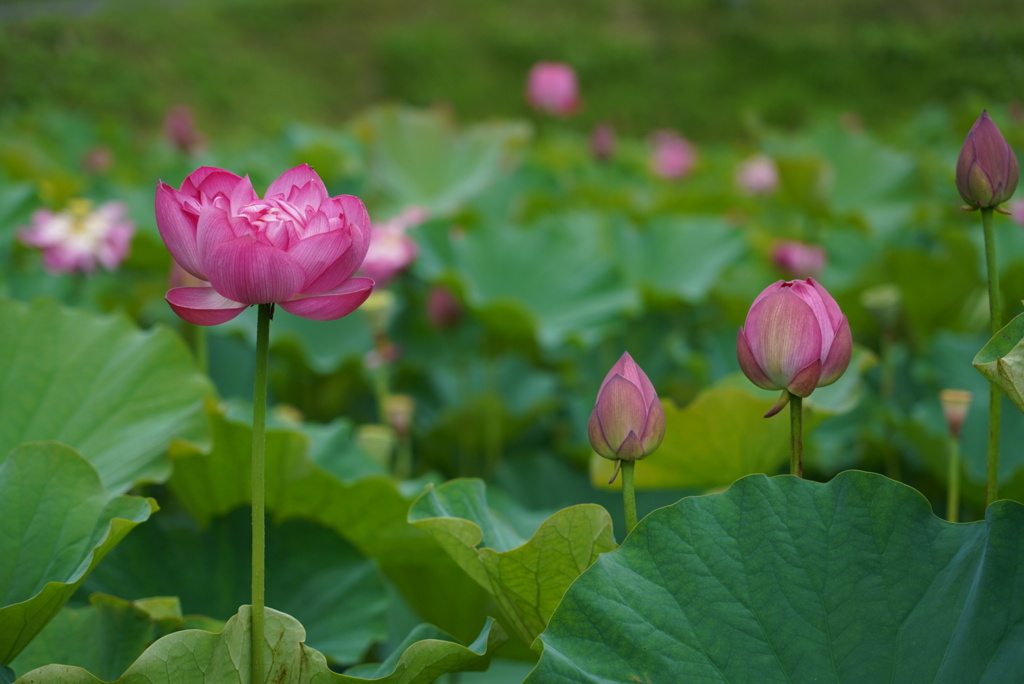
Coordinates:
[955,404]
[986,170]
[795,338]
[628,420]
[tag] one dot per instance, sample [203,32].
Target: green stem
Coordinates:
[995,308]
[628,494]
[953,500]
[796,435]
[259,420]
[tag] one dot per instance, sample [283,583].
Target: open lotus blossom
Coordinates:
[799,260]
[79,238]
[392,249]
[296,247]
[758,175]
[986,170]
[552,87]
[672,156]
[795,338]
[628,420]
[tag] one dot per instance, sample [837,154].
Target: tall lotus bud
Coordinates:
[628,420]
[955,404]
[795,338]
[986,170]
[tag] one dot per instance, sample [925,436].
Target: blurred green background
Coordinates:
[711,68]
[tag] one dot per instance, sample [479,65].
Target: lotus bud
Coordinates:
[955,404]
[758,175]
[399,410]
[795,338]
[443,309]
[628,420]
[986,170]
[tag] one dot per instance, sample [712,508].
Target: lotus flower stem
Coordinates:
[259,419]
[796,437]
[953,496]
[995,308]
[628,494]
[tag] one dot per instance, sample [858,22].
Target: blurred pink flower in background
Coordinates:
[551,87]
[602,142]
[443,309]
[758,175]
[391,247]
[98,159]
[80,237]
[180,130]
[673,156]
[297,247]
[1016,208]
[799,260]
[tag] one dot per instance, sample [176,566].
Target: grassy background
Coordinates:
[710,68]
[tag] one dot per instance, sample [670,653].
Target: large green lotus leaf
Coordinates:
[370,512]
[786,580]
[418,157]
[515,271]
[526,578]
[312,574]
[116,394]
[1002,361]
[200,657]
[104,637]
[680,256]
[56,523]
[717,438]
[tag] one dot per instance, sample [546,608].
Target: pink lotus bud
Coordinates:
[799,260]
[551,87]
[391,248]
[297,247]
[628,421]
[79,238]
[986,170]
[795,338]
[602,142]
[180,130]
[673,156]
[443,309]
[758,175]
[955,404]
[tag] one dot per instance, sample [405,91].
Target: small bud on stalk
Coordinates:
[986,170]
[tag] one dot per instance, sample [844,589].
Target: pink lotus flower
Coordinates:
[297,247]
[551,87]
[673,155]
[758,175]
[795,338]
[79,238]
[986,170]
[628,420]
[391,247]
[799,260]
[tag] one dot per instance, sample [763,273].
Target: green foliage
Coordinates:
[526,578]
[202,657]
[57,523]
[98,384]
[780,579]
